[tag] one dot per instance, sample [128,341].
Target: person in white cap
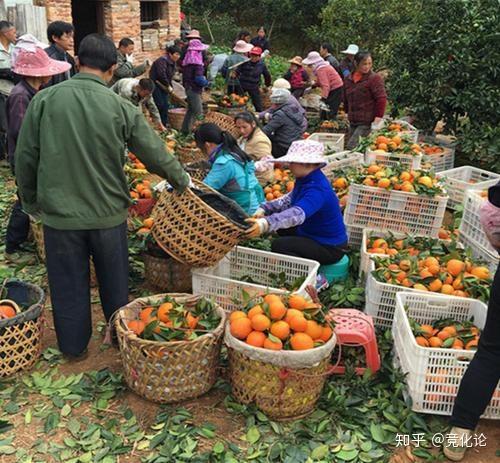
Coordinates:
[308,219]
[35,68]
[329,81]
[239,56]
[287,122]
[347,64]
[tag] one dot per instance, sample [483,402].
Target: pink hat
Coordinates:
[242,47]
[312,58]
[304,152]
[38,64]
[196,45]
[194,34]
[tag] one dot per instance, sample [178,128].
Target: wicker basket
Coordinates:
[198,170]
[166,274]
[188,155]
[266,99]
[224,121]
[282,393]
[168,372]
[190,230]
[21,336]
[37,231]
[176,117]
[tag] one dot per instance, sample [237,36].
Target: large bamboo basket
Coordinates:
[224,121]
[264,377]
[188,155]
[21,336]
[166,274]
[168,372]
[190,230]
[37,231]
[176,117]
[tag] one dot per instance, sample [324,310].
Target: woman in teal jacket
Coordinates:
[232,171]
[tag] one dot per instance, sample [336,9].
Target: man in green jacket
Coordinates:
[70,158]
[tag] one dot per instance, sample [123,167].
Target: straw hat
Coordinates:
[282,83]
[196,45]
[352,49]
[242,47]
[304,152]
[38,64]
[312,58]
[296,60]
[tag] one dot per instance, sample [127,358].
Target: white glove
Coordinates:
[323,106]
[377,124]
[259,213]
[191,184]
[130,58]
[161,186]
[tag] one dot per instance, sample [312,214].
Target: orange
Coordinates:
[451,329]
[137,326]
[426,181]
[381,139]
[380,243]
[457,344]
[399,244]
[457,283]
[277,187]
[313,329]
[163,311]
[280,329]
[420,287]
[260,322]
[448,280]
[146,315]
[148,223]
[407,283]
[7,311]
[237,314]
[340,183]
[435,342]
[407,187]
[256,339]
[291,313]
[139,187]
[430,261]
[447,289]
[455,267]
[368,182]
[272,298]
[373,169]
[424,273]
[405,176]
[146,193]
[392,252]
[443,234]
[273,345]
[277,310]
[435,285]
[405,265]
[434,269]
[382,146]
[326,334]
[301,341]
[277,194]
[295,301]
[421,341]
[401,276]
[241,328]
[397,140]
[480,272]
[384,183]
[443,335]
[256,310]
[290,186]
[472,344]
[298,324]
[269,196]
[428,330]
[134,195]
[192,321]
[268,189]
[460,293]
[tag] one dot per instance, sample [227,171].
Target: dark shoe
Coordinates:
[18,257]
[78,357]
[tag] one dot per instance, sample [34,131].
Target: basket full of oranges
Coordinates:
[279,350]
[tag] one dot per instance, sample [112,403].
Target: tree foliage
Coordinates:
[445,66]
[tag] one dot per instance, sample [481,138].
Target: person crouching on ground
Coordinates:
[232,171]
[308,220]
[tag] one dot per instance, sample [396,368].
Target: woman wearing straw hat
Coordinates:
[308,219]
[297,76]
[239,55]
[194,80]
[35,68]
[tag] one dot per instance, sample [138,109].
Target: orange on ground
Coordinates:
[301,341]
[256,339]
[241,328]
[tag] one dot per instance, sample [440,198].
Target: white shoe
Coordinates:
[455,443]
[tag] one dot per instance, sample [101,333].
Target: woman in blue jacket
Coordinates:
[308,219]
[232,171]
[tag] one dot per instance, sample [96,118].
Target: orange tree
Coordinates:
[445,65]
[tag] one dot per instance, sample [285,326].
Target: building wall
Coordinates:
[122,18]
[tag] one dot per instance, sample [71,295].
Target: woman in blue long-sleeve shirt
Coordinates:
[232,170]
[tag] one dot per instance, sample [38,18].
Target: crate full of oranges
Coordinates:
[283,184]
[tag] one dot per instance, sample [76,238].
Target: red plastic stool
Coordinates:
[354,328]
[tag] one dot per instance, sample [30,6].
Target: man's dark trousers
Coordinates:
[68,265]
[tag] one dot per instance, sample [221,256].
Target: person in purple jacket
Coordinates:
[35,69]
[308,220]
[194,81]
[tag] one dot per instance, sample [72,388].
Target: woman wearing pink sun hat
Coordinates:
[35,68]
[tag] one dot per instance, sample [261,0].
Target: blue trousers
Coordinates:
[161,100]
[68,266]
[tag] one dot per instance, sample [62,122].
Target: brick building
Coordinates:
[149,23]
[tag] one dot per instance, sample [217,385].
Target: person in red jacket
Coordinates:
[365,98]
[330,82]
[297,76]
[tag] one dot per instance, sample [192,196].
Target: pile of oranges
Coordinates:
[7,311]
[141,190]
[136,164]
[453,274]
[233,101]
[447,334]
[394,143]
[283,184]
[413,246]
[146,226]
[279,323]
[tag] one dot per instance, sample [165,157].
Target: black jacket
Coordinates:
[262,43]
[249,74]
[60,55]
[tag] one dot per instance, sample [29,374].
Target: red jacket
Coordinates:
[366,99]
[327,79]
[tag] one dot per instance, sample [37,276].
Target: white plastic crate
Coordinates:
[434,374]
[343,159]
[224,282]
[408,161]
[365,257]
[397,211]
[457,182]
[441,161]
[490,259]
[355,236]
[408,129]
[332,141]
[445,141]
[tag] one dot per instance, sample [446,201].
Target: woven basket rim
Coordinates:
[144,301]
[32,312]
